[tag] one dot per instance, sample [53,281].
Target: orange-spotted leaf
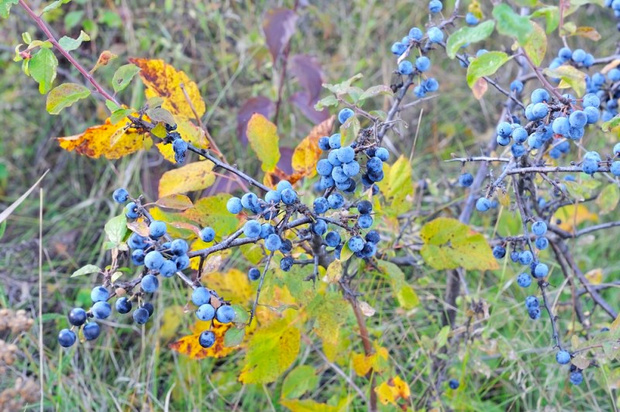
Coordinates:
[189,346]
[190,133]
[307,152]
[263,138]
[390,391]
[193,176]
[163,80]
[109,140]
[270,352]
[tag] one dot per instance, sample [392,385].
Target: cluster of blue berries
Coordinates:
[160,257]
[422,63]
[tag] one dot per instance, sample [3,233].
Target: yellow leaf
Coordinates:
[97,141]
[572,216]
[397,185]
[362,363]
[193,176]
[570,77]
[595,276]
[190,133]
[449,244]
[233,285]
[270,352]
[402,387]
[171,320]
[334,272]
[536,44]
[189,346]
[162,80]
[392,390]
[263,137]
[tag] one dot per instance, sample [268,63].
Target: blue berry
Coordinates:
[471,19]
[382,153]
[374,165]
[592,114]
[516,86]
[499,252]
[591,100]
[561,126]
[207,234]
[120,195]
[578,119]
[397,48]
[524,280]
[430,85]
[541,270]
[526,257]
[136,241]
[578,56]
[179,247]
[180,150]
[364,207]
[289,196]
[539,110]
[66,338]
[356,243]
[332,239]
[77,316]
[101,310]
[373,237]
[563,357]
[131,210]
[324,143]
[415,34]
[149,284]
[225,314]
[539,228]
[565,53]
[365,221]
[504,129]
[405,68]
[286,263]
[323,168]
[346,154]
[99,294]
[435,6]
[182,262]
[589,166]
[540,95]
[252,228]
[123,305]
[576,378]
[335,200]
[273,242]
[168,268]
[205,312]
[335,141]
[254,274]
[435,35]
[319,227]
[531,302]
[200,296]
[453,383]
[351,169]
[466,180]
[615,168]
[141,316]
[234,205]
[332,158]
[534,313]
[157,229]
[422,63]
[91,331]
[542,243]
[153,260]
[344,115]
[206,339]
[249,201]
[483,204]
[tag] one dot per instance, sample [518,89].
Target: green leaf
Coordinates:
[64,96]
[234,337]
[120,114]
[611,124]
[570,77]
[54,5]
[116,228]
[300,380]
[404,293]
[375,91]
[5,7]
[241,314]
[270,352]
[86,270]
[397,186]
[551,15]
[70,44]
[466,35]
[73,18]
[512,24]
[536,44]
[349,130]
[344,87]
[329,312]
[485,65]
[608,199]
[26,38]
[449,244]
[2,228]
[328,101]
[43,69]
[123,75]
[263,137]
[211,211]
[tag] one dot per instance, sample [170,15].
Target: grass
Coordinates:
[504,361]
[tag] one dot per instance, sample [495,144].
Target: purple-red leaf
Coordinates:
[308,72]
[279,27]
[259,104]
[300,99]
